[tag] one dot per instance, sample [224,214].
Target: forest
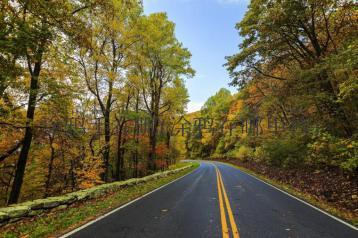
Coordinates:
[294,117]
[93,91]
[99,136]
[89,93]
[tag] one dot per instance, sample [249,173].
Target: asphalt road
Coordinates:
[217,200]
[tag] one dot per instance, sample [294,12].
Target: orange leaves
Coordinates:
[89,172]
[160,163]
[235,109]
[161,150]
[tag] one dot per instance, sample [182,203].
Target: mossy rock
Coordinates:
[118,185]
[96,192]
[33,213]
[153,177]
[51,203]
[44,203]
[109,187]
[3,217]
[161,175]
[16,219]
[33,205]
[15,211]
[100,192]
[142,180]
[149,177]
[61,207]
[70,198]
[130,182]
[36,207]
[81,195]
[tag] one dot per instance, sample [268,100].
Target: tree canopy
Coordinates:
[89,93]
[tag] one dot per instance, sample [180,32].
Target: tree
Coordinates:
[289,41]
[176,97]
[216,109]
[36,29]
[104,59]
[77,80]
[160,60]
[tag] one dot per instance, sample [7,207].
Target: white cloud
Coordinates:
[194,106]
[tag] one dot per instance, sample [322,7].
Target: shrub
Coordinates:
[243,153]
[328,150]
[259,154]
[287,150]
[220,147]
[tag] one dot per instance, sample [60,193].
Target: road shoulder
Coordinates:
[344,217]
[63,221]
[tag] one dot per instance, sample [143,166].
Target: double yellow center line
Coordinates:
[224,202]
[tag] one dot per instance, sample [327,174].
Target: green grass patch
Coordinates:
[344,215]
[178,165]
[60,222]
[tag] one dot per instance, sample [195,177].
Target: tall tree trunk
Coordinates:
[107,130]
[120,163]
[153,142]
[136,139]
[120,150]
[154,127]
[107,139]
[167,142]
[73,175]
[50,167]
[336,110]
[21,163]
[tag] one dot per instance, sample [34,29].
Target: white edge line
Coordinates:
[121,207]
[292,196]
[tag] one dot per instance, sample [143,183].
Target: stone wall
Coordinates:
[19,211]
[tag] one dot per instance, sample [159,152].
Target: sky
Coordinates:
[207,29]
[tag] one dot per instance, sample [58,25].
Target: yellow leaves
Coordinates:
[206,138]
[55,146]
[89,174]
[97,56]
[235,109]
[118,26]
[112,75]
[3,105]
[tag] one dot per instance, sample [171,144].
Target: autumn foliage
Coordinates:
[89,93]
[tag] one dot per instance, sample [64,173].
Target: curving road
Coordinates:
[216,200]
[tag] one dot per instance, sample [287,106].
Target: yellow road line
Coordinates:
[234,229]
[224,227]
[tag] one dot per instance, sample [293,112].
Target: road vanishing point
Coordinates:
[216,200]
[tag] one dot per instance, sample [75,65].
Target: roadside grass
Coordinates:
[59,222]
[344,215]
[178,165]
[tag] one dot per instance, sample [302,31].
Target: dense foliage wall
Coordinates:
[297,76]
[89,92]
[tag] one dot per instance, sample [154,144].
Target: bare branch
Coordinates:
[10,151]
